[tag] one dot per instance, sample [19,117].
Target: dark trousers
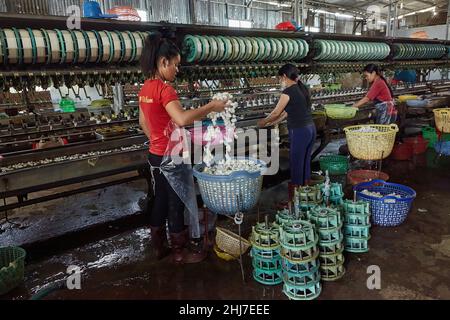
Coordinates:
[167,205]
[301,145]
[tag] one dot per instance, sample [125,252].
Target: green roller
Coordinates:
[289,49]
[192,48]
[19,45]
[251,50]
[33,44]
[261,49]
[235,49]
[241,49]
[220,48]
[301,49]
[111,46]
[305,48]
[264,49]
[285,50]
[295,49]
[228,48]
[254,49]
[319,48]
[212,48]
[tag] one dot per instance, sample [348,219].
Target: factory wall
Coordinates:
[213,12]
[431,32]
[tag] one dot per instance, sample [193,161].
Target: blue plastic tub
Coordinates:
[443,147]
[228,194]
[417,103]
[387,211]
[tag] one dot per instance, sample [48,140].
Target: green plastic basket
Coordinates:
[67,105]
[335,164]
[430,134]
[340,111]
[12,266]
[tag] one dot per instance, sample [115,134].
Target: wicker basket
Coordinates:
[229,242]
[223,255]
[371,145]
[442,119]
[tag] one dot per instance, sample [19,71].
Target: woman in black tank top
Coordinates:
[295,104]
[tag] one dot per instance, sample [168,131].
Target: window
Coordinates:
[143,15]
[239,23]
[311,29]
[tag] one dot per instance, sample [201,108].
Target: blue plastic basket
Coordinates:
[443,147]
[228,194]
[387,211]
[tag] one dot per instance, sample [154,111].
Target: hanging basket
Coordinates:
[365,145]
[228,194]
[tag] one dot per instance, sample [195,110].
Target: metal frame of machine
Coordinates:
[252,84]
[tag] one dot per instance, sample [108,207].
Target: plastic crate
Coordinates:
[335,164]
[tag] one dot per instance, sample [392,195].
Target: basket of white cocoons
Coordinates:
[229,185]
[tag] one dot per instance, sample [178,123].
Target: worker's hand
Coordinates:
[261,123]
[218,105]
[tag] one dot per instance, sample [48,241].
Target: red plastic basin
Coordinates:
[402,151]
[419,144]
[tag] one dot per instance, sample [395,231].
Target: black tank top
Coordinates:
[299,113]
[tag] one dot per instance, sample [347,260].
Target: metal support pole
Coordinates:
[295,11]
[394,26]
[448,22]
[209,12]
[388,22]
[192,11]
[304,13]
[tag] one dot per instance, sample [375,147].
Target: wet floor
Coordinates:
[413,258]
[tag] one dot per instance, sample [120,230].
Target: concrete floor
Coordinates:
[413,258]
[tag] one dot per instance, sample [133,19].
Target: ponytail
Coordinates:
[292,72]
[305,92]
[374,68]
[156,47]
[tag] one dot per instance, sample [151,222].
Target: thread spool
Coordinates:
[69,46]
[12,56]
[94,46]
[27,46]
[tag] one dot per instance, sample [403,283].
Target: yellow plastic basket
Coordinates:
[371,145]
[223,255]
[406,97]
[228,242]
[442,119]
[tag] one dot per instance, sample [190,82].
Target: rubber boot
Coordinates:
[159,239]
[181,253]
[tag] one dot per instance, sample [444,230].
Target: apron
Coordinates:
[177,169]
[386,113]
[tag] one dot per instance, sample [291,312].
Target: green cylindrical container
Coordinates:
[12,266]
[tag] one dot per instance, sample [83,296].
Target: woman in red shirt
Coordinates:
[159,106]
[380,94]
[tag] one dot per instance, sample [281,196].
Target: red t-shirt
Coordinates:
[153,98]
[379,91]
